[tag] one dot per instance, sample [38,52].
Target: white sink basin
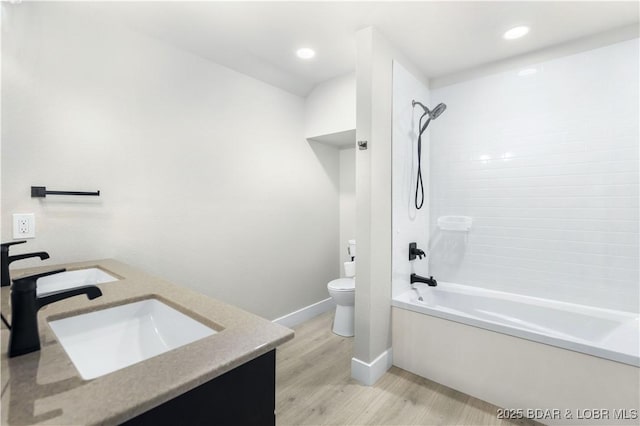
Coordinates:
[104,341]
[73,279]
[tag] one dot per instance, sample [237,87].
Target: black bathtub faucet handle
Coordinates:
[414,252]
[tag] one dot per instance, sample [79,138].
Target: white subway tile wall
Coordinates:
[408,224]
[547,164]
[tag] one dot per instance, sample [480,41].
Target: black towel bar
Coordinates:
[41,192]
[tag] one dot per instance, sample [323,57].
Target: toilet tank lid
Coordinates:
[342,284]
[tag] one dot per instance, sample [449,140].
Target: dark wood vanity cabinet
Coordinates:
[245,395]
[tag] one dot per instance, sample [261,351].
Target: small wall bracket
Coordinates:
[363,145]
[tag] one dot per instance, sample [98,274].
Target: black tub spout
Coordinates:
[431,282]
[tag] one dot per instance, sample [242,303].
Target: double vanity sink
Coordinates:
[110,339]
[142,346]
[72,279]
[107,340]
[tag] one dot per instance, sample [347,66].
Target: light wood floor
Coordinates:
[314,387]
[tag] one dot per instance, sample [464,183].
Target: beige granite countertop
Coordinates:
[44,387]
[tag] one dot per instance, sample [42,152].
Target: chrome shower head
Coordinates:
[433,114]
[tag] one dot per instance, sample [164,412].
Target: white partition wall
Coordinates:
[374,79]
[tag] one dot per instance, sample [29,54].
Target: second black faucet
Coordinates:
[5,260]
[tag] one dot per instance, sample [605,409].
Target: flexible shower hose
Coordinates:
[419,183]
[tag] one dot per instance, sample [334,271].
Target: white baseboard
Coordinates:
[306,313]
[369,373]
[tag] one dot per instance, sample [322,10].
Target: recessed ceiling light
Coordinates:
[305,53]
[515,32]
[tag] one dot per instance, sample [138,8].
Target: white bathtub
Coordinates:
[604,333]
[522,353]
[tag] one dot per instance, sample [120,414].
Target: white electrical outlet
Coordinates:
[24,225]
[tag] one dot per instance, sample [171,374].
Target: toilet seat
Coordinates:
[342,284]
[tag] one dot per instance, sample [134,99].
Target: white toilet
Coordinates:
[343,292]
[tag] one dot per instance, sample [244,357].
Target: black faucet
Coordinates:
[415,251]
[24,337]
[431,282]
[6,260]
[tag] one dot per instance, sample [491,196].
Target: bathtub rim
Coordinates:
[403,301]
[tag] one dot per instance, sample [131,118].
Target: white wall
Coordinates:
[374,79]
[408,223]
[547,165]
[373,203]
[330,118]
[206,177]
[331,107]
[347,202]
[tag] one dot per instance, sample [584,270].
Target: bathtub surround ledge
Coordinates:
[613,335]
[369,373]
